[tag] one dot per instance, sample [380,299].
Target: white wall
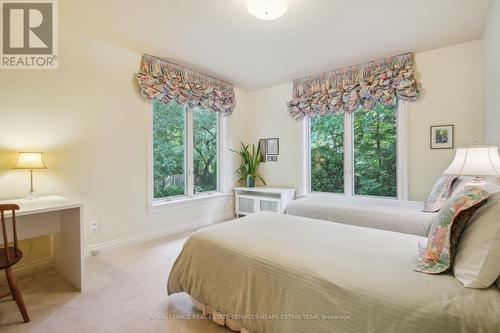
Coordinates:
[491,44]
[270,119]
[452,82]
[89,119]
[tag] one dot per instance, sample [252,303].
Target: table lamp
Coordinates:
[30,161]
[477,161]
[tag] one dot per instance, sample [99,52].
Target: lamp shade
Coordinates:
[476,161]
[30,161]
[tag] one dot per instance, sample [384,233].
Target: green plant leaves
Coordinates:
[250,162]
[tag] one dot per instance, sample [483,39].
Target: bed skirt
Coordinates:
[218,317]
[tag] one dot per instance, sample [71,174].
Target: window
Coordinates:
[375,160]
[355,153]
[205,133]
[185,151]
[169,123]
[327,154]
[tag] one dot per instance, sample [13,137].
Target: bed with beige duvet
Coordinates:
[279,273]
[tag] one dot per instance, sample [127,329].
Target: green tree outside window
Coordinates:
[374,152]
[169,150]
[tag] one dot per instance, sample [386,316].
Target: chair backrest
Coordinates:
[5,208]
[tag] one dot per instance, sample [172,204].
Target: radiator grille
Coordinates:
[246,205]
[268,206]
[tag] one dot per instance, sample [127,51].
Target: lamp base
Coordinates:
[31,195]
[476,182]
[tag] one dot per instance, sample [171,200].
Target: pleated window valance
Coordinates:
[165,81]
[365,85]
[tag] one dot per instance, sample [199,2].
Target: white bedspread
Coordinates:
[394,215]
[275,273]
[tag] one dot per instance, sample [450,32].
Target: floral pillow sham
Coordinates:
[446,229]
[441,191]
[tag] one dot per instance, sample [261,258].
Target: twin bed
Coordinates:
[280,273]
[386,214]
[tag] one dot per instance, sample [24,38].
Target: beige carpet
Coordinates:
[125,292]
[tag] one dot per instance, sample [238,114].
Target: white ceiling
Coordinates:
[220,38]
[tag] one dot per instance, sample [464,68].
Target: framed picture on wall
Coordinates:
[273,146]
[442,137]
[262,149]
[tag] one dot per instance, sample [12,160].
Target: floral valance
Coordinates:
[345,90]
[165,81]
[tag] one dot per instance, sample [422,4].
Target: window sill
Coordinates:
[165,205]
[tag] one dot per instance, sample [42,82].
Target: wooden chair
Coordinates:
[9,256]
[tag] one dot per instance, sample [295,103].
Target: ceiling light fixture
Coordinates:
[267,9]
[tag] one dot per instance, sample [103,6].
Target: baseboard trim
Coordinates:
[159,233]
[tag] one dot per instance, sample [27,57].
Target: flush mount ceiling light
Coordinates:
[267,9]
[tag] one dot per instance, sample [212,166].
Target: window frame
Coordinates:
[190,198]
[401,156]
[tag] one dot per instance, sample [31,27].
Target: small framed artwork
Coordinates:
[442,137]
[262,149]
[272,158]
[273,146]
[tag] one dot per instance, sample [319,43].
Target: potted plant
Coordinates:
[248,170]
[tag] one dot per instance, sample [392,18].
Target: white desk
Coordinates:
[63,218]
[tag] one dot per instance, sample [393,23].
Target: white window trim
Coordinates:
[188,159]
[185,202]
[190,199]
[348,155]
[401,153]
[402,150]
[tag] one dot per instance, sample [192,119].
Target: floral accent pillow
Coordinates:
[440,193]
[446,229]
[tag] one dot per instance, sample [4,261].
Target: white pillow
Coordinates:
[477,262]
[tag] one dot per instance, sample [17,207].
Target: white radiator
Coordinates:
[269,205]
[246,205]
[262,199]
